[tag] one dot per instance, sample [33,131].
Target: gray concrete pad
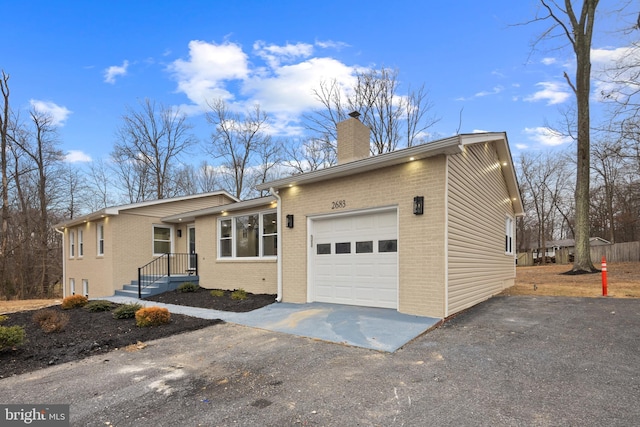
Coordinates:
[367,327]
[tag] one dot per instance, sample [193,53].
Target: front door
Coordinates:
[191,235]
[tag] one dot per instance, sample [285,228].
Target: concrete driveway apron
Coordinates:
[367,327]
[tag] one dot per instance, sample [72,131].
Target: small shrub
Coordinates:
[126,311]
[239,294]
[3,318]
[11,336]
[98,305]
[50,320]
[152,316]
[217,293]
[73,301]
[188,287]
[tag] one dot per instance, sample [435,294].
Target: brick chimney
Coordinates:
[353,139]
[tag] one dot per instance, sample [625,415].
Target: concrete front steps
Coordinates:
[161,285]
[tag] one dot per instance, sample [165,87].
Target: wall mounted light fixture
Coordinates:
[290,221]
[418,205]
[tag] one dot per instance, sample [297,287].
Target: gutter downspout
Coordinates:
[64,266]
[274,193]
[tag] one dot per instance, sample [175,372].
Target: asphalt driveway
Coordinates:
[509,361]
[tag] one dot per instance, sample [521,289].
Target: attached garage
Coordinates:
[354,258]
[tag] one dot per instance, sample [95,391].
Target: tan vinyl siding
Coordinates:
[478,204]
[420,237]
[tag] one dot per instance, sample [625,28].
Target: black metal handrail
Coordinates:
[164,266]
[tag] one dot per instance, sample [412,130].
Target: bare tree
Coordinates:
[150,142]
[608,166]
[311,155]
[395,120]
[578,30]
[237,140]
[543,181]
[206,177]
[4,143]
[100,183]
[269,159]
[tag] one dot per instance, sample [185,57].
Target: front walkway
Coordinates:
[374,328]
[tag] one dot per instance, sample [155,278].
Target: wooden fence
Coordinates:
[618,252]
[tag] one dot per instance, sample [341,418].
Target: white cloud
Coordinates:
[330,44]
[615,73]
[522,146]
[289,89]
[58,113]
[549,61]
[279,78]
[76,156]
[552,92]
[275,55]
[114,71]
[547,136]
[496,90]
[203,76]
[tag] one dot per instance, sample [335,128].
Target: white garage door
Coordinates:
[355,260]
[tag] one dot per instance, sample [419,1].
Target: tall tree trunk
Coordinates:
[583,32]
[4,126]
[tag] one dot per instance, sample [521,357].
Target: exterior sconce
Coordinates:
[179,233]
[290,221]
[418,205]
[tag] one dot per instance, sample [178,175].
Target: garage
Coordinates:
[354,259]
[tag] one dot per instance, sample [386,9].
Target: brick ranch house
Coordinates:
[427,230]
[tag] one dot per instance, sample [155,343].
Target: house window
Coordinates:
[161,240]
[248,236]
[270,234]
[100,239]
[80,243]
[72,286]
[226,238]
[72,244]
[247,239]
[85,287]
[508,236]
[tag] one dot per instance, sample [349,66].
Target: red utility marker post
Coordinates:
[604,276]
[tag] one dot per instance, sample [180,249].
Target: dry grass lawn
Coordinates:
[22,305]
[623,280]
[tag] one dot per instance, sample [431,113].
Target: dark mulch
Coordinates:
[202,298]
[88,333]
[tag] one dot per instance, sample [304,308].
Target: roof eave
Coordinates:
[444,146]
[232,207]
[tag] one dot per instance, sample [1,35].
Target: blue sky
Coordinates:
[85,62]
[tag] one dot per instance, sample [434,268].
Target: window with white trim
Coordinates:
[161,240]
[72,286]
[72,244]
[508,236]
[248,236]
[100,239]
[85,287]
[80,243]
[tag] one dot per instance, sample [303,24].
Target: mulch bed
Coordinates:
[89,334]
[202,298]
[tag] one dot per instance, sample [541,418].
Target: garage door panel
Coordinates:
[361,275]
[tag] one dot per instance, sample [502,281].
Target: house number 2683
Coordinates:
[339,204]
